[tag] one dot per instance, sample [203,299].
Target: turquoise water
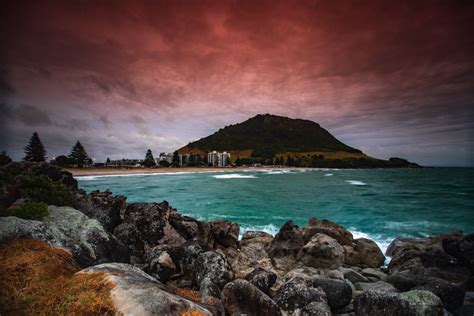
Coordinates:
[377,203]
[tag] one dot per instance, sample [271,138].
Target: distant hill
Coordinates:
[269,137]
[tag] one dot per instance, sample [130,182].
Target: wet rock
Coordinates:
[322,252]
[380,286]
[262,279]
[294,295]
[328,228]
[225,233]
[242,297]
[369,252]
[136,293]
[213,265]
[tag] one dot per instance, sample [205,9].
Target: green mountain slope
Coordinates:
[267,135]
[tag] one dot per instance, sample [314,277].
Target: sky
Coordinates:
[392,78]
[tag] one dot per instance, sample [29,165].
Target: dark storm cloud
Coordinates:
[379,74]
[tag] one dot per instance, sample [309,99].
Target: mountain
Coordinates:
[267,136]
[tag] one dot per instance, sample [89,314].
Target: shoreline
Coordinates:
[80,172]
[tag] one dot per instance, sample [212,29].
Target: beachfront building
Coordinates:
[183,159]
[168,157]
[218,159]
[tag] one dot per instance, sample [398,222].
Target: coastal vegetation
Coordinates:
[149,159]
[34,150]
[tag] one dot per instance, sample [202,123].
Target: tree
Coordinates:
[35,150]
[78,155]
[164,163]
[4,158]
[175,159]
[107,162]
[62,161]
[149,159]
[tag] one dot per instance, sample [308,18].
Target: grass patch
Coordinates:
[189,294]
[27,210]
[36,279]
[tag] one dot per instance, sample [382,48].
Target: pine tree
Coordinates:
[35,150]
[4,158]
[78,155]
[149,159]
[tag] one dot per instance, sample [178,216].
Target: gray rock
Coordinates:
[294,295]
[323,252]
[67,228]
[285,246]
[335,274]
[262,279]
[136,293]
[251,237]
[102,206]
[315,226]
[338,292]
[424,302]
[213,265]
[250,257]
[160,264]
[380,286]
[353,276]
[371,272]
[412,303]
[316,309]
[242,297]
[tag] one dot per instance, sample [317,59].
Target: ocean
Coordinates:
[379,204]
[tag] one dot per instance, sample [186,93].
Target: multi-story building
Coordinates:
[183,159]
[168,157]
[218,159]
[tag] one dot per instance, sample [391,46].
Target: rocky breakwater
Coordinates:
[156,261]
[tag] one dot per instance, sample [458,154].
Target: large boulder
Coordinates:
[146,225]
[322,252]
[338,292]
[136,293]
[249,257]
[160,264]
[259,237]
[379,286]
[369,252]
[213,265]
[329,228]
[295,295]
[262,279]
[413,303]
[70,229]
[102,206]
[242,297]
[190,228]
[285,246]
[225,233]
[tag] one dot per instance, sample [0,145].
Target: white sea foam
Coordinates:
[234,176]
[328,174]
[355,182]
[85,178]
[270,228]
[382,242]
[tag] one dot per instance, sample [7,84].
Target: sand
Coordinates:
[139,170]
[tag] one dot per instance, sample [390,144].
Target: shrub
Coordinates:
[42,189]
[27,210]
[36,279]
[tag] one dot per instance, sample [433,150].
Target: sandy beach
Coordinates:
[117,171]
